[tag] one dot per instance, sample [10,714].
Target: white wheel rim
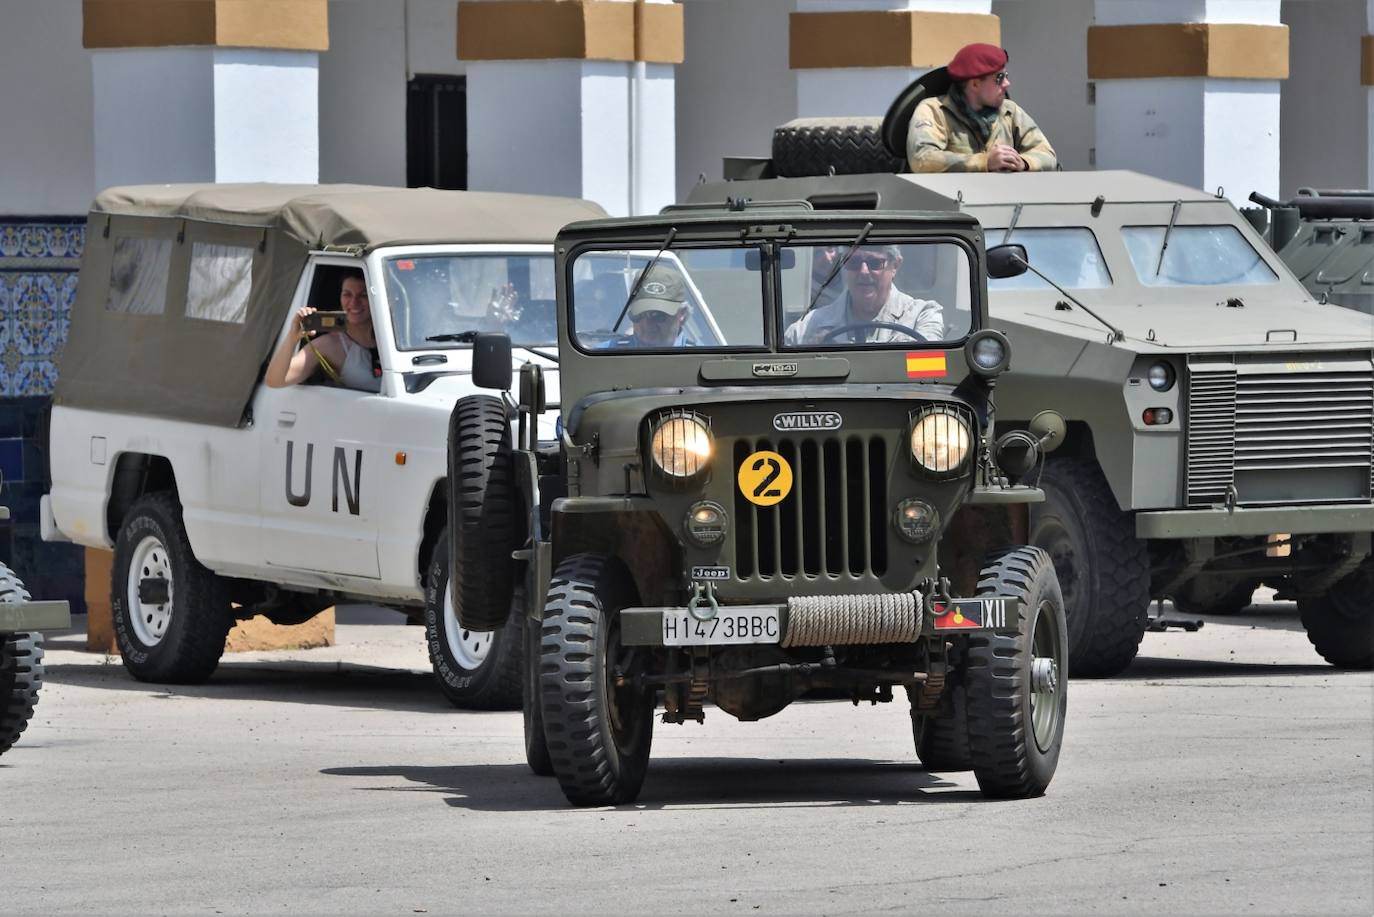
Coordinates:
[150,621]
[469,648]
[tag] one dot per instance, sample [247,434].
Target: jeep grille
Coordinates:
[1296,429]
[835,520]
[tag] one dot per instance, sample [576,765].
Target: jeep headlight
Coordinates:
[940,441]
[680,445]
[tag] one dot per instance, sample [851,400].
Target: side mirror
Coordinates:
[1007,261]
[491,360]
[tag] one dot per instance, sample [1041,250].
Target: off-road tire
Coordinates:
[814,146]
[21,668]
[1103,569]
[1017,683]
[598,736]
[476,670]
[197,615]
[942,741]
[1340,624]
[483,508]
[536,746]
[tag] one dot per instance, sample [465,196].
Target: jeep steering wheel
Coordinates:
[855,326]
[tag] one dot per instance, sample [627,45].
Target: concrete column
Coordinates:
[205,91]
[1367,80]
[1188,90]
[574,98]
[852,57]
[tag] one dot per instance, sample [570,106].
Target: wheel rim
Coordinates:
[1046,676]
[150,621]
[469,648]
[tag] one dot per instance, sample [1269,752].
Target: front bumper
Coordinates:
[845,620]
[1263,520]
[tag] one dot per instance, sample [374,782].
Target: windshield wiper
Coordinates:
[458,337]
[1011,227]
[1168,231]
[839,263]
[639,281]
[548,355]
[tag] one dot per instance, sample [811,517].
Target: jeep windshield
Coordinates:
[434,294]
[884,295]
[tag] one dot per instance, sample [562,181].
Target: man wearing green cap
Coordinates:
[975,126]
[658,311]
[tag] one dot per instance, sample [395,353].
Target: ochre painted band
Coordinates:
[295,25]
[1367,60]
[570,29]
[885,38]
[1195,49]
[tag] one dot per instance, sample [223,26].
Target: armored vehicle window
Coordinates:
[446,294]
[220,278]
[1196,256]
[883,295]
[138,276]
[694,297]
[1068,255]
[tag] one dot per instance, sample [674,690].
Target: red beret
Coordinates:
[976,60]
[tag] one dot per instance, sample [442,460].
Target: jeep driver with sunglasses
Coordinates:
[974,126]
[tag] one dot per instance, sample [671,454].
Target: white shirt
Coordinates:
[926,316]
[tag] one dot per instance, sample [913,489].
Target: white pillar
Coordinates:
[581,126]
[869,90]
[1200,129]
[205,115]
[1367,70]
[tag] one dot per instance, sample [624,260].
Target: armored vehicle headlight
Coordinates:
[681,445]
[988,352]
[1161,376]
[940,441]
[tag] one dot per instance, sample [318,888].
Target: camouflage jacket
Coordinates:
[940,140]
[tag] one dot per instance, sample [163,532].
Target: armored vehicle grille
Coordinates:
[834,522]
[1295,430]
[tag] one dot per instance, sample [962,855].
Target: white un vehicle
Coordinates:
[224,498]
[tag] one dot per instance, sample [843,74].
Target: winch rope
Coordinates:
[831,620]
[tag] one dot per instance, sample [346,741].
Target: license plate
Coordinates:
[740,624]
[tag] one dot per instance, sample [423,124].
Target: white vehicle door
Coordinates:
[320,470]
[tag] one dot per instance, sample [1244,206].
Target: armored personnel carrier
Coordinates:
[1326,238]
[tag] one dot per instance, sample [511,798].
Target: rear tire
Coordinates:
[21,677]
[477,670]
[179,640]
[1017,684]
[942,741]
[1340,624]
[598,734]
[1103,569]
[536,746]
[482,512]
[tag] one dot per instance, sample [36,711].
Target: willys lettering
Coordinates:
[807,420]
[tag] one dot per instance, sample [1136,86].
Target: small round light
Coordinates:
[940,441]
[1161,376]
[916,520]
[705,523]
[681,446]
[988,352]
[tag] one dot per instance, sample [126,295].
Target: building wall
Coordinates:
[1323,122]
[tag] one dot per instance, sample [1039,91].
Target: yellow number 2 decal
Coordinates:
[765,478]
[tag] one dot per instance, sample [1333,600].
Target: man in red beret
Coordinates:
[974,127]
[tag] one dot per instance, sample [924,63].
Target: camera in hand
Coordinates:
[319,322]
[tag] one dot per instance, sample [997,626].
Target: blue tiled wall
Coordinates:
[39,259]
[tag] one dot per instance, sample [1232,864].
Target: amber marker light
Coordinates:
[400,458]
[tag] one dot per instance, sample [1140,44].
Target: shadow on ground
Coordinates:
[680,782]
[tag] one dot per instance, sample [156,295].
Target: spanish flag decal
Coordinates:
[925,365]
[947,618]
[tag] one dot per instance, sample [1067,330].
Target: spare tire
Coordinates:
[816,146]
[483,506]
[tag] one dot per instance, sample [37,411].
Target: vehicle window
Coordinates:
[447,294]
[1196,256]
[221,277]
[883,295]
[138,276]
[692,297]
[1068,255]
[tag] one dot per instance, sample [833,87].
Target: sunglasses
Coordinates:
[1000,77]
[872,262]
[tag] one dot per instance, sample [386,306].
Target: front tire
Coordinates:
[1103,569]
[1340,624]
[598,733]
[1017,684]
[536,746]
[171,614]
[477,670]
[21,668]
